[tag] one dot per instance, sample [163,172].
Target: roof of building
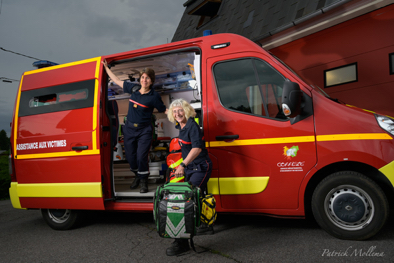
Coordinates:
[254,19]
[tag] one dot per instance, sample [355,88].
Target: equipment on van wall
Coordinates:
[159,128]
[118,152]
[131,78]
[192,70]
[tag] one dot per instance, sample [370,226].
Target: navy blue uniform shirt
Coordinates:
[141,105]
[191,137]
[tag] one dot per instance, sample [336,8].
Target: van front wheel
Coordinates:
[60,219]
[349,205]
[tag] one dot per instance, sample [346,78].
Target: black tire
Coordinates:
[349,205]
[61,219]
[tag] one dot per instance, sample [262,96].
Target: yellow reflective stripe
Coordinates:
[300,139]
[177,179]
[177,163]
[60,190]
[242,185]
[94,142]
[95,106]
[351,106]
[237,185]
[355,136]
[17,114]
[14,196]
[296,139]
[388,171]
[57,154]
[213,186]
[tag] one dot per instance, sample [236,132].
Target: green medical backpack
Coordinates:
[177,209]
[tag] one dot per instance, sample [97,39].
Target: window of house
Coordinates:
[391,58]
[340,75]
[250,86]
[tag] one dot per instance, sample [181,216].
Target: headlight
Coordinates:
[385,123]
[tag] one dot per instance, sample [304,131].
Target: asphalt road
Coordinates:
[131,237]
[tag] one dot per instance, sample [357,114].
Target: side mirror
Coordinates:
[291,99]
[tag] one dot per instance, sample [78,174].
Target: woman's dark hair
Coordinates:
[150,72]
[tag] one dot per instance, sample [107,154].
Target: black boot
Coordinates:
[135,183]
[177,247]
[144,186]
[205,229]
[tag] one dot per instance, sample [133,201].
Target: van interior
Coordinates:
[177,76]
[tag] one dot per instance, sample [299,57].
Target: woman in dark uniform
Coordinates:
[138,128]
[196,165]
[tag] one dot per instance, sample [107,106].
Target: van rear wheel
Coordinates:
[349,205]
[60,219]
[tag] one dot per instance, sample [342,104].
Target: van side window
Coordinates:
[70,96]
[251,86]
[60,97]
[43,100]
[271,85]
[237,86]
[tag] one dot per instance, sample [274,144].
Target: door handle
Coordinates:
[227,137]
[79,148]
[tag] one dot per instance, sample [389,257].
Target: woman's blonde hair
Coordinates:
[189,110]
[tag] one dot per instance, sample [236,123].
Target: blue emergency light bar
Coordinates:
[44,64]
[207,32]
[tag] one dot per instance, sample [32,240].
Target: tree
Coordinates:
[4,141]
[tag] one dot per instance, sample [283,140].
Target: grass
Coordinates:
[5,179]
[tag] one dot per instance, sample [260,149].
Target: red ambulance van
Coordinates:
[279,146]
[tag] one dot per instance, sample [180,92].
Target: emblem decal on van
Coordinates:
[291,166]
[290,152]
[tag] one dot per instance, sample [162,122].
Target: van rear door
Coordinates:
[56,142]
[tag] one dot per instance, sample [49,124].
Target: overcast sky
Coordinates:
[70,30]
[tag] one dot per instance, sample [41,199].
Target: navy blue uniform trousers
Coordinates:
[137,143]
[199,174]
